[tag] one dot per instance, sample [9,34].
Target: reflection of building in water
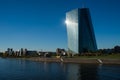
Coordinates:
[72,71]
[88,72]
[45,66]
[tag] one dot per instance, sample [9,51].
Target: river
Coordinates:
[18,69]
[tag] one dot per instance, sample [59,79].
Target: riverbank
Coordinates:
[76,60]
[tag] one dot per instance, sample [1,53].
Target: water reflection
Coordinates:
[71,71]
[88,71]
[82,71]
[17,69]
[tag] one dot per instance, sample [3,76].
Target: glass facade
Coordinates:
[80,31]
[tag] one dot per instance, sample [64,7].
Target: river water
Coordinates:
[17,69]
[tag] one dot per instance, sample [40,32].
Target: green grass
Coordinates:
[111,56]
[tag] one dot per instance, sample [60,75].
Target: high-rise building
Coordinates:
[23,52]
[80,31]
[10,51]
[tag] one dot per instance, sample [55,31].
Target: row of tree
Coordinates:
[114,50]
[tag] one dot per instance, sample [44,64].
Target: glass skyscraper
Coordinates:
[80,31]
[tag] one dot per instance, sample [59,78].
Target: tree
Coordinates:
[117,49]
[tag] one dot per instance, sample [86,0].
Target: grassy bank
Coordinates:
[106,59]
[111,56]
[76,60]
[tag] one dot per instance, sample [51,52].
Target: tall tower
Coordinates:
[80,31]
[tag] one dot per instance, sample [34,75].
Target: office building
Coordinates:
[80,32]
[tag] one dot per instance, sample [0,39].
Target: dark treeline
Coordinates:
[99,52]
[114,50]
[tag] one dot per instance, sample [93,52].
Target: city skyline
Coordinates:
[40,24]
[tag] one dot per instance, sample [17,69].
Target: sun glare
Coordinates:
[66,22]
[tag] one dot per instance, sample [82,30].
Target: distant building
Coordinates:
[9,51]
[32,53]
[16,53]
[80,31]
[23,52]
[60,52]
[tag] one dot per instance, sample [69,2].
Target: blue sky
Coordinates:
[39,24]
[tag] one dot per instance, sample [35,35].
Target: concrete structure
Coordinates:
[80,31]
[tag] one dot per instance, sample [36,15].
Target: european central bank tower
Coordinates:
[80,31]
